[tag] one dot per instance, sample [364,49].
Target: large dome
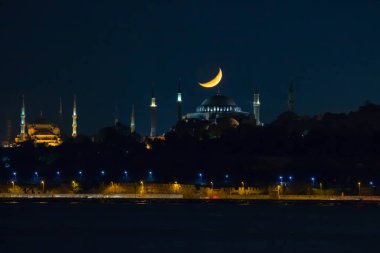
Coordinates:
[218,104]
[218,100]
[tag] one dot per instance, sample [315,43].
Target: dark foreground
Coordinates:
[189,226]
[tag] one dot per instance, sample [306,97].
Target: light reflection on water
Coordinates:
[328,204]
[141,202]
[12,202]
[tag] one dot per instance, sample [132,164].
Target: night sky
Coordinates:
[110,53]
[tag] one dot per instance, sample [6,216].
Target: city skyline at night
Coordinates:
[189,126]
[112,55]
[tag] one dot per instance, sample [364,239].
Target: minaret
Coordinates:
[117,118]
[60,115]
[74,125]
[291,98]
[9,131]
[256,106]
[179,102]
[153,116]
[22,132]
[133,127]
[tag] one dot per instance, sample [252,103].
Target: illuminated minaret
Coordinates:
[133,127]
[22,132]
[291,98]
[179,102]
[153,116]
[256,106]
[74,125]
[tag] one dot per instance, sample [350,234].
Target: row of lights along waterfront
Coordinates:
[201,179]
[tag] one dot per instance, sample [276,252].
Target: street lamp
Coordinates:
[43,186]
[312,181]
[359,184]
[212,185]
[280,177]
[200,178]
[226,177]
[13,185]
[142,187]
[150,176]
[176,186]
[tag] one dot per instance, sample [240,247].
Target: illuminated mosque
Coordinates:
[42,132]
[218,106]
[213,109]
[222,107]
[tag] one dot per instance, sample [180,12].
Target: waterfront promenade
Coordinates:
[181,196]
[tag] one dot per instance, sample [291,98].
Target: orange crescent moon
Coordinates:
[214,82]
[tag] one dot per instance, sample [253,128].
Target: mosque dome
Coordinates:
[218,103]
[218,100]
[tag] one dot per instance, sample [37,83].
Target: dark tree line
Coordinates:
[338,148]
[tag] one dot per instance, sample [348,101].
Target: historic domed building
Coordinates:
[216,107]
[42,132]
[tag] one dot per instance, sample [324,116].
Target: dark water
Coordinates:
[154,226]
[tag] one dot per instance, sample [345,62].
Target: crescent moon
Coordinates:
[214,82]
